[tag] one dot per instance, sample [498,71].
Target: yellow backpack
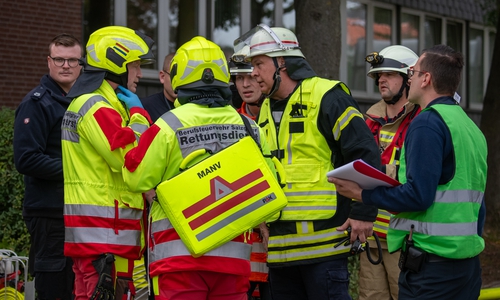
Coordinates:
[222,196]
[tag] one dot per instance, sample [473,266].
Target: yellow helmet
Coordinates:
[111,48]
[199,63]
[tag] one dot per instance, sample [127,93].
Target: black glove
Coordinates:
[104,289]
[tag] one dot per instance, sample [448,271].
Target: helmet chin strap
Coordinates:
[277,78]
[398,96]
[119,79]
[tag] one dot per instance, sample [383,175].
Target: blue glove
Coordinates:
[130,99]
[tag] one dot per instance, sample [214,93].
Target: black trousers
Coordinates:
[53,272]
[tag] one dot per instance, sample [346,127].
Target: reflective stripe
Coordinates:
[70,136]
[139,127]
[80,235]
[435,229]
[380,227]
[311,193]
[259,267]
[172,121]
[283,241]
[235,216]
[161,225]
[177,248]
[304,207]
[305,253]
[386,136]
[90,102]
[194,63]
[344,120]
[457,196]
[89,210]
[258,248]
[69,133]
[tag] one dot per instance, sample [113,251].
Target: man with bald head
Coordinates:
[159,103]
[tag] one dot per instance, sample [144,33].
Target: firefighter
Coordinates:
[388,120]
[203,119]
[312,125]
[104,221]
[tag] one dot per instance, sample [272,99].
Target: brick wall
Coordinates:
[26,29]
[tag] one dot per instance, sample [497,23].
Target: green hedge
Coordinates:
[13,233]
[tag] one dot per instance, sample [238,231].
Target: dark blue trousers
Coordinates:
[458,279]
[321,281]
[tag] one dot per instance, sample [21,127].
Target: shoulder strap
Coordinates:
[249,128]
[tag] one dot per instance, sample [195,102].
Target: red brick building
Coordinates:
[26,28]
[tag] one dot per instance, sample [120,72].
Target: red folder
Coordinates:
[363,174]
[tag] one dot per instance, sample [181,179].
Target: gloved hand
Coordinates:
[104,289]
[130,99]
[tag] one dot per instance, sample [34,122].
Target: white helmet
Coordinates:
[393,58]
[263,40]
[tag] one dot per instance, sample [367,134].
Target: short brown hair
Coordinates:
[167,61]
[445,65]
[66,40]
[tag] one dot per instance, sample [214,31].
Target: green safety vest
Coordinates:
[449,227]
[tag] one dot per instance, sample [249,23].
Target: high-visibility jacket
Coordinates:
[100,213]
[158,157]
[310,196]
[390,135]
[448,227]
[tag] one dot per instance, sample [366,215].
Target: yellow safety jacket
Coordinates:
[158,157]
[100,213]
[306,159]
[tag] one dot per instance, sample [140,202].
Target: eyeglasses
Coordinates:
[59,61]
[410,72]
[166,72]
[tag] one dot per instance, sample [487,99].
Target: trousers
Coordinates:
[320,281]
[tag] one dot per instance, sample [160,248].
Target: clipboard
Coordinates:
[363,174]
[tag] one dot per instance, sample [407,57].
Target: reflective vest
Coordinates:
[449,227]
[390,137]
[310,196]
[100,213]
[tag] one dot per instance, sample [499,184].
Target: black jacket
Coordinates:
[37,149]
[156,105]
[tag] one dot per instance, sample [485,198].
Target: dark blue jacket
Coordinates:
[156,105]
[430,161]
[37,149]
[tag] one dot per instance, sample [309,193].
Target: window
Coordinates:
[382,29]
[475,67]
[288,15]
[454,35]
[410,31]
[382,32]
[432,32]
[142,15]
[227,24]
[356,46]
[262,12]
